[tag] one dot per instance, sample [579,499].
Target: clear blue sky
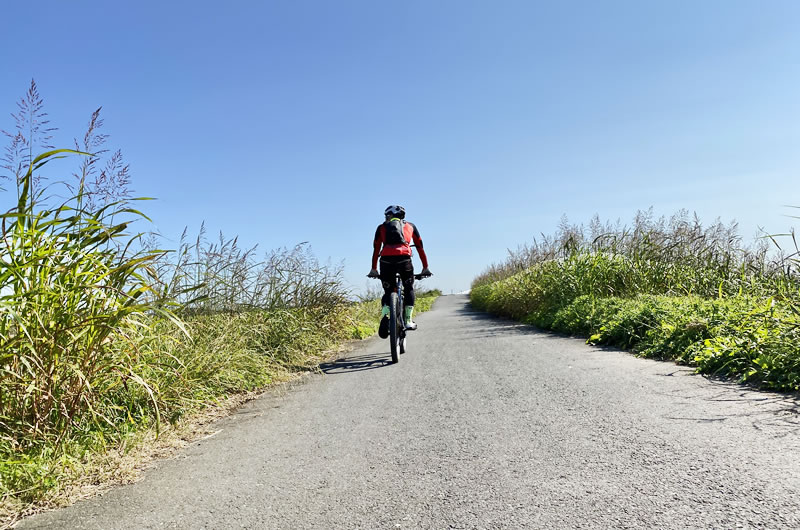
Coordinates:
[289,121]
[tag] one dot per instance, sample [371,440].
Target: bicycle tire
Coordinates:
[394,320]
[401,326]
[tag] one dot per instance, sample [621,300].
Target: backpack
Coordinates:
[394,232]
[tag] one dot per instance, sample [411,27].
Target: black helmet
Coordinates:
[395,211]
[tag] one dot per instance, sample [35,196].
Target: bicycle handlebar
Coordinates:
[416,276]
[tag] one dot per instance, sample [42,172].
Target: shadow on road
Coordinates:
[486,325]
[357,363]
[768,408]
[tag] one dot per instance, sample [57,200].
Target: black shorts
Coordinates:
[390,266]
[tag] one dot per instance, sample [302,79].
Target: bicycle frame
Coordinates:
[401,317]
[397,326]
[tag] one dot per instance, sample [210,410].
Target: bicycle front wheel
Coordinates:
[394,325]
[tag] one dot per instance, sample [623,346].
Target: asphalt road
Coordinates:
[485,423]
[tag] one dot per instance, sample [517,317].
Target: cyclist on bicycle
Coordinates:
[393,245]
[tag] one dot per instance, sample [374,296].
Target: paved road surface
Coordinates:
[483,424]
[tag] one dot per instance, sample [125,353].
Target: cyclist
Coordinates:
[393,245]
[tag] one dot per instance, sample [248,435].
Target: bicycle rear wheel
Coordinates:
[394,325]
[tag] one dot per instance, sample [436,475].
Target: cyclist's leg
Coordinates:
[406,269]
[388,276]
[407,277]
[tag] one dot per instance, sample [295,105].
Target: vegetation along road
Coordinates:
[485,423]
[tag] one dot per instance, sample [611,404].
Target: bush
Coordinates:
[103,336]
[752,339]
[666,289]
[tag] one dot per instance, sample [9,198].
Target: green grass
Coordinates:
[227,354]
[365,324]
[676,292]
[106,342]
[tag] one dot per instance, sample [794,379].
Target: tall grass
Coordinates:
[71,284]
[664,288]
[103,335]
[672,256]
[74,287]
[210,276]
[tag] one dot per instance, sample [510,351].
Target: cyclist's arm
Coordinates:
[376,247]
[423,258]
[376,251]
[418,243]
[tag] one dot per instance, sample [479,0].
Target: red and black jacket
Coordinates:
[382,248]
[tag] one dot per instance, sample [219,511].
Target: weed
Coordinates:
[664,289]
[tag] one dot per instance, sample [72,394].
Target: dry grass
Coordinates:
[671,289]
[114,352]
[126,462]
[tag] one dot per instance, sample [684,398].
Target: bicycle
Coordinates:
[397,327]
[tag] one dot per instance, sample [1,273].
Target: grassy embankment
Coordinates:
[107,343]
[664,289]
[103,347]
[178,371]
